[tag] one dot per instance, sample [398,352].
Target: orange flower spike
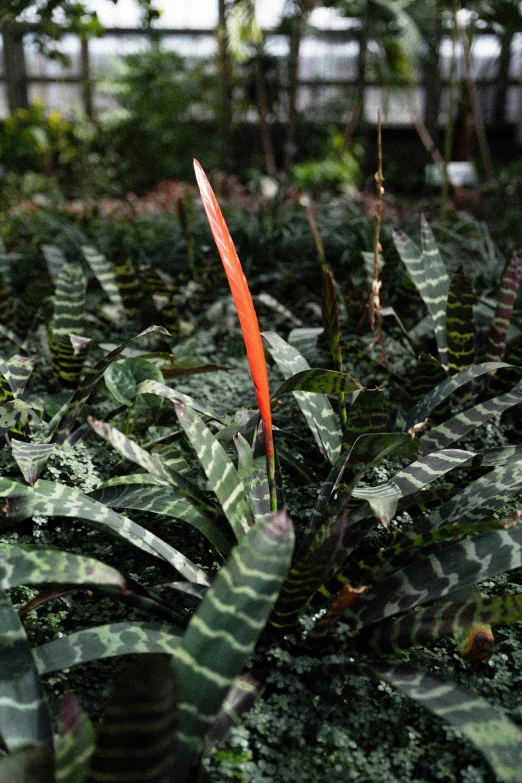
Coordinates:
[244,306]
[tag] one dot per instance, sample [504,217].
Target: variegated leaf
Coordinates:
[460,328]
[52,499]
[104,641]
[139,493]
[31,458]
[506,300]
[222,634]
[483,724]
[24,717]
[18,371]
[219,469]
[136,735]
[456,427]
[87,385]
[104,273]
[69,301]
[75,742]
[55,260]
[424,407]
[316,408]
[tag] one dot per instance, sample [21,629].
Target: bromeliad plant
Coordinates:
[166,707]
[372,592]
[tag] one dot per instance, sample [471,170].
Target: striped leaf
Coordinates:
[222,634]
[69,352]
[433,622]
[55,260]
[429,274]
[104,641]
[453,429]
[330,315]
[136,736]
[89,382]
[150,462]
[69,301]
[499,740]
[31,458]
[6,393]
[18,371]
[319,382]
[316,408]
[32,764]
[24,717]
[439,574]
[428,374]
[506,301]
[75,742]
[481,498]
[404,548]
[308,573]
[104,273]
[368,414]
[52,499]
[504,380]
[240,699]
[219,470]
[37,291]
[30,565]
[127,281]
[425,406]
[384,498]
[460,328]
[152,387]
[138,492]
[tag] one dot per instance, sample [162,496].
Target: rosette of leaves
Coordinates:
[379,592]
[449,302]
[166,706]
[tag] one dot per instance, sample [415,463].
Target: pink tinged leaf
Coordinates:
[243,302]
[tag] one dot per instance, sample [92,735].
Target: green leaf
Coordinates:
[55,260]
[120,382]
[368,413]
[307,573]
[24,717]
[18,371]
[499,740]
[87,385]
[52,499]
[34,764]
[136,737]
[104,641]
[316,408]
[460,327]
[432,577]
[104,273]
[139,493]
[6,394]
[128,284]
[240,699]
[429,274]
[423,408]
[222,634]
[31,458]
[481,498]
[151,462]
[219,469]
[467,421]
[506,301]
[318,381]
[143,370]
[383,498]
[69,301]
[75,742]
[152,387]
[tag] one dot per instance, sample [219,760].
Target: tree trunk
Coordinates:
[499,107]
[15,72]
[225,74]
[262,108]
[293,87]
[432,76]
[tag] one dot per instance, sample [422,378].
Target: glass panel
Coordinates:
[38,64]
[65,98]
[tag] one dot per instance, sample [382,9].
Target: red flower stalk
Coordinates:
[244,306]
